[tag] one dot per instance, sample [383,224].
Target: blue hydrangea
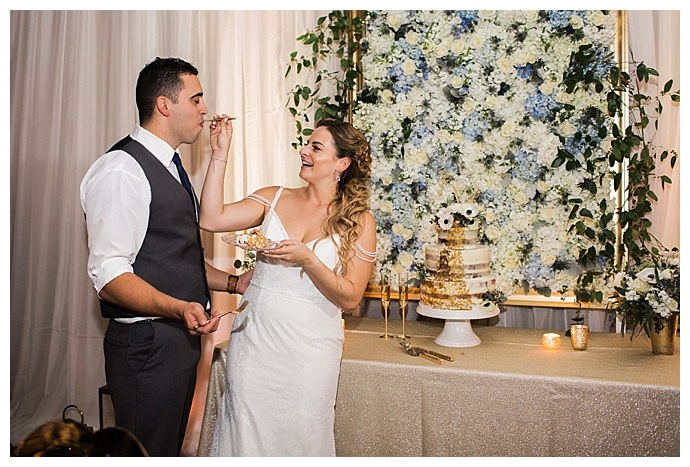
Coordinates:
[487,196]
[474,127]
[410,50]
[397,241]
[537,272]
[603,61]
[402,83]
[526,166]
[541,106]
[574,145]
[419,134]
[560,19]
[525,72]
[467,19]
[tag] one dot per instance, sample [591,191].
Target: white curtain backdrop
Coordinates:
[72,78]
[655,40]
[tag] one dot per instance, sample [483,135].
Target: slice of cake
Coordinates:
[255,240]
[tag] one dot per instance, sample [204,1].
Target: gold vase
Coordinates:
[579,336]
[664,340]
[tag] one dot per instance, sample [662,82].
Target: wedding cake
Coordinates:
[458,268]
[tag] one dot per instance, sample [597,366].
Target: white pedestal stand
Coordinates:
[457,331]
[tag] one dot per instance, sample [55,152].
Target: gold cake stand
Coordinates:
[457,332]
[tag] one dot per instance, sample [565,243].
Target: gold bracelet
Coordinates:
[231,287]
[220,160]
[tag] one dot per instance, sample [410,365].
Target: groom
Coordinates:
[146,260]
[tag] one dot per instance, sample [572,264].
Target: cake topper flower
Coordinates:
[458,215]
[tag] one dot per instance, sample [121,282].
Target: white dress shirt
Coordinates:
[115,196]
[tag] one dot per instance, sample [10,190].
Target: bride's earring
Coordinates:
[337,176]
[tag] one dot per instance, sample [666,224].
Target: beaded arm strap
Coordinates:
[369,256]
[259,199]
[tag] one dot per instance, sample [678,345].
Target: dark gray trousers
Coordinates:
[150,369]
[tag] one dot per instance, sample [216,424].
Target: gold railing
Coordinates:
[357,60]
[533,299]
[622,53]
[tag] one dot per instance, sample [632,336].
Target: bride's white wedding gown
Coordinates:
[283,361]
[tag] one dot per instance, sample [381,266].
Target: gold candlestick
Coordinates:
[402,297]
[385,303]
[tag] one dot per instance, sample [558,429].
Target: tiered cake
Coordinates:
[459,268]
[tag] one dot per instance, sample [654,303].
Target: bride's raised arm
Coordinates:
[214,214]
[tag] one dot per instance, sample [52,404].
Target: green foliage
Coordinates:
[336,39]
[633,157]
[635,147]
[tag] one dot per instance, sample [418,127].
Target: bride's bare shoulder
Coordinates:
[294,193]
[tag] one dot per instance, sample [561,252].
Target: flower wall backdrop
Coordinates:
[469,107]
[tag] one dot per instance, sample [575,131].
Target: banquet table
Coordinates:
[504,397]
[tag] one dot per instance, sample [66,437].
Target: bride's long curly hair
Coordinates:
[352,191]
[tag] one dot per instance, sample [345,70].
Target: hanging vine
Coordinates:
[329,60]
[634,149]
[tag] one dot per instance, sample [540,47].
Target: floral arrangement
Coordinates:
[248,263]
[470,108]
[648,290]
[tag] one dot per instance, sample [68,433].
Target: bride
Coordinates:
[285,348]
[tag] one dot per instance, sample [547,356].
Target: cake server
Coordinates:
[417,353]
[420,350]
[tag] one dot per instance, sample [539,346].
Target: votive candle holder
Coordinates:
[579,336]
[551,341]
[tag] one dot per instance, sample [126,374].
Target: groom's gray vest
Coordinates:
[171,258]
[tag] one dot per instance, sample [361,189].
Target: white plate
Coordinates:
[241,241]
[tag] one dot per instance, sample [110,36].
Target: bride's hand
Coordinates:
[291,251]
[221,135]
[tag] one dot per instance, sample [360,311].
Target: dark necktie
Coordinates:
[184,179]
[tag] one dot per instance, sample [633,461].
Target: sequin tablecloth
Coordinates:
[505,397]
